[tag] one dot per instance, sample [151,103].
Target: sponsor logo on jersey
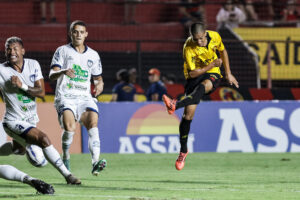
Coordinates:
[69,85]
[23,98]
[81,75]
[69,58]
[80,87]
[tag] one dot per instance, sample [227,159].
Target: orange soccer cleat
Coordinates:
[170,104]
[180,160]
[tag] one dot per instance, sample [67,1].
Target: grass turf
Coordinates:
[207,176]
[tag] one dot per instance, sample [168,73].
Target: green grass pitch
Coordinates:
[206,176]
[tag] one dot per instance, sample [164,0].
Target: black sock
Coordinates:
[184,129]
[192,98]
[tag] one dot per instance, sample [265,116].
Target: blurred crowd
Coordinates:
[127,88]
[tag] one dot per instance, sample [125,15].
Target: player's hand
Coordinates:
[218,62]
[98,89]
[232,81]
[70,73]
[15,81]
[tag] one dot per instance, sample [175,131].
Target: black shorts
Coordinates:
[192,83]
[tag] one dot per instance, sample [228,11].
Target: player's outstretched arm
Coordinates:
[56,72]
[197,72]
[37,91]
[230,78]
[99,85]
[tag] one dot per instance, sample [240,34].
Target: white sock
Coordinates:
[9,172]
[94,144]
[53,157]
[67,139]
[6,149]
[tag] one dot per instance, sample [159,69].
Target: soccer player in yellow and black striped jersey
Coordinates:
[202,72]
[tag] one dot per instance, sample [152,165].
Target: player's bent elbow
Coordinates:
[193,74]
[41,94]
[52,77]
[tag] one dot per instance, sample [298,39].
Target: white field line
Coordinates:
[89,196]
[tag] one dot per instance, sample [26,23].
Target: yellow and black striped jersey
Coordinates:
[196,57]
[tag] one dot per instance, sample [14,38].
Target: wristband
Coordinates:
[24,87]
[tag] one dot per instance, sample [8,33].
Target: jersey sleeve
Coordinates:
[97,67]
[1,80]
[58,58]
[189,60]
[220,45]
[38,71]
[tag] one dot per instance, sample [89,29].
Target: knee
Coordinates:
[208,86]
[92,122]
[91,125]
[188,117]
[70,126]
[43,140]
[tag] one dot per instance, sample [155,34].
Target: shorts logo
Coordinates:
[90,63]
[213,77]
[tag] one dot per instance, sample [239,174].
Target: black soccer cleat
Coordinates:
[42,187]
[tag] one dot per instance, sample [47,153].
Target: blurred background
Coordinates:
[261,36]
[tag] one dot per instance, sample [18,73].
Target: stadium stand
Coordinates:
[156,41]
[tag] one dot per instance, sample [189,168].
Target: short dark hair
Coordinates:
[124,76]
[13,39]
[75,23]
[197,27]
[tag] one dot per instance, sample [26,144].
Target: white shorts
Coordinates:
[17,130]
[78,107]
